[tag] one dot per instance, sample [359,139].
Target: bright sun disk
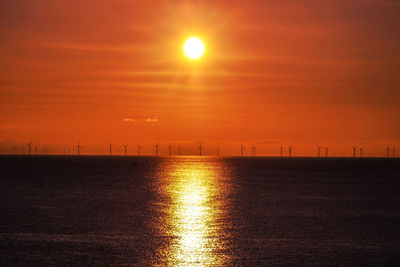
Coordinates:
[194,48]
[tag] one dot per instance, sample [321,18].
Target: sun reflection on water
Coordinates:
[193,189]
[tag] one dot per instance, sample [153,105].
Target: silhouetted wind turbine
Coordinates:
[170,150]
[326,152]
[79,148]
[125,148]
[354,151]
[361,151]
[319,151]
[281,151]
[290,151]
[110,150]
[253,151]
[156,146]
[29,148]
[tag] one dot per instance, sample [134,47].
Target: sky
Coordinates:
[295,73]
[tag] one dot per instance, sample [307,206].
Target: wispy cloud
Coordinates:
[151,119]
[134,120]
[129,120]
[90,46]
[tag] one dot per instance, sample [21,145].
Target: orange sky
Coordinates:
[293,72]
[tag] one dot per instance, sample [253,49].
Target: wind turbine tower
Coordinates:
[79,148]
[281,151]
[354,151]
[319,151]
[29,148]
[170,150]
[156,146]
[125,149]
[326,152]
[290,151]
[253,151]
[361,152]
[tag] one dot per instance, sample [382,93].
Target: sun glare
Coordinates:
[194,48]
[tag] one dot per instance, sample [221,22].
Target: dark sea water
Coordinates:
[190,211]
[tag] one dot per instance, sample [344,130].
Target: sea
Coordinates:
[199,211]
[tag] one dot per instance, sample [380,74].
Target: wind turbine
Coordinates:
[290,151]
[170,150]
[354,151]
[110,150]
[326,152]
[156,146]
[79,148]
[29,148]
[253,151]
[361,151]
[125,148]
[319,151]
[281,151]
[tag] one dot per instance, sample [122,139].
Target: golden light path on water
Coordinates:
[195,215]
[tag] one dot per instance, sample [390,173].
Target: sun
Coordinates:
[194,48]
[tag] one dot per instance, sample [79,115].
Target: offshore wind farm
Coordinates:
[199,133]
[188,149]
